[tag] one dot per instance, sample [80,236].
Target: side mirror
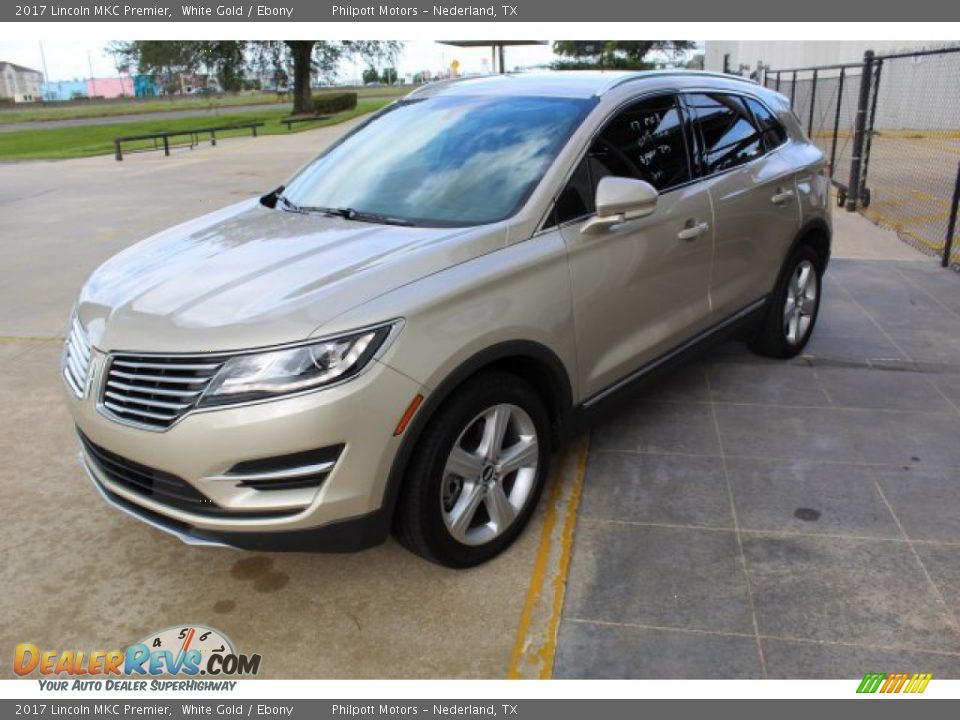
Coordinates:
[620,199]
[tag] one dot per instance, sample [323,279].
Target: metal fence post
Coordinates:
[793,89]
[952,224]
[813,102]
[856,158]
[836,124]
[778,81]
[868,137]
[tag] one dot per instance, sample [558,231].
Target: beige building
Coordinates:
[19,83]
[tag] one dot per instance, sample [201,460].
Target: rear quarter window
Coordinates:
[774,134]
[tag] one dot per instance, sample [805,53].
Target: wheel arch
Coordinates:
[818,235]
[531,361]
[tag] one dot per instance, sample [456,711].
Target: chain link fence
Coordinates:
[891,129]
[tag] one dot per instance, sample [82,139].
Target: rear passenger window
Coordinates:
[774,134]
[726,130]
[644,141]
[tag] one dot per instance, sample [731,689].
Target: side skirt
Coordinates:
[598,406]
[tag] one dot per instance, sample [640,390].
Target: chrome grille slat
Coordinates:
[166,392]
[156,391]
[74,366]
[166,366]
[121,410]
[78,345]
[161,378]
[76,359]
[146,402]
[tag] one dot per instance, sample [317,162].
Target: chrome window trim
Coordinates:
[396,325]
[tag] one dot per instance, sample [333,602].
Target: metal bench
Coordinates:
[193,134]
[289,122]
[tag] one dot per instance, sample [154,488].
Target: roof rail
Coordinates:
[642,74]
[441,83]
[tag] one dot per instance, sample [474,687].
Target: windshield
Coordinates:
[443,161]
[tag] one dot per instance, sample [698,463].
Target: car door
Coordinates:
[641,287]
[753,189]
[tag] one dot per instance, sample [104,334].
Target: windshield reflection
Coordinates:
[442,161]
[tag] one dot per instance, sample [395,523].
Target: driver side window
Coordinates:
[643,141]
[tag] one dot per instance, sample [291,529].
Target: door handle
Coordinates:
[692,232]
[781,197]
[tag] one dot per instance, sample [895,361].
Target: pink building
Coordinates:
[110,87]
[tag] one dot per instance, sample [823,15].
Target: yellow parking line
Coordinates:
[536,641]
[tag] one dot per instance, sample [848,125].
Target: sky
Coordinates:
[73,59]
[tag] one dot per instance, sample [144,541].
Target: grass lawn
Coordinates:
[86,140]
[39,113]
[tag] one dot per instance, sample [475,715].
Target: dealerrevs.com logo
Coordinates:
[186,651]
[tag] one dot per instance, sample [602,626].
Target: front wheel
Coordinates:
[477,472]
[793,308]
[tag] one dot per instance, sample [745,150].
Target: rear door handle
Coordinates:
[781,197]
[692,232]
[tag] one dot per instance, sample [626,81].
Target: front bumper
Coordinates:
[342,511]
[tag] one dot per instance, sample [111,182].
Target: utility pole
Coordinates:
[46,78]
[93,82]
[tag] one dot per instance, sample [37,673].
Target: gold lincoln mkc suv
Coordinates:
[397,338]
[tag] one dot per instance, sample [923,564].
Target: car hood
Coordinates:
[247,276]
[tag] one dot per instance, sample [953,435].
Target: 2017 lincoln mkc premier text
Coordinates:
[397,338]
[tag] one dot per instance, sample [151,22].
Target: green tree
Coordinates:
[231,60]
[389,76]
[301,52]
[620,54]
[370,75]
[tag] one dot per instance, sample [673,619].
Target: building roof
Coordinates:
[19,68]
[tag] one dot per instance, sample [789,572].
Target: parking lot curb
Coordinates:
[536,641]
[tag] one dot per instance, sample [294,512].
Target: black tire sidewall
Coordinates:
[425,475]
[784,347]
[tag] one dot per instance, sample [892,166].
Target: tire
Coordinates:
[786,326]
[451,509]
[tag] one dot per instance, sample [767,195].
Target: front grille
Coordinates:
[160,486]
[156,391]
[76,359]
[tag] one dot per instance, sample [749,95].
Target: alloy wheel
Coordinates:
[801,302]
[490,474]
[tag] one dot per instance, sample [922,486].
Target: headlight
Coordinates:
[257,376]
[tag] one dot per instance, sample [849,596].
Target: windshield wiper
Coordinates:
[360,216]
[289,205]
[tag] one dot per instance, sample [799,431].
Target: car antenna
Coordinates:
[270,199]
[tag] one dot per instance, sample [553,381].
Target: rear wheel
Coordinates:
[477,472]
[792,313]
